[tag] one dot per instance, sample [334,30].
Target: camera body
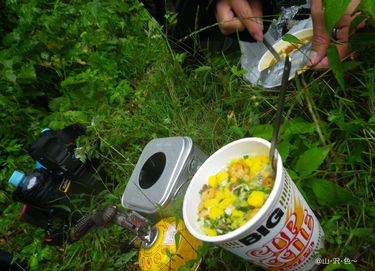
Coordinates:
[62,183]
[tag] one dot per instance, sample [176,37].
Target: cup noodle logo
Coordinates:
[288,239]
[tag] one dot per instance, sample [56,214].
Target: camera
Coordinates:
[61,184]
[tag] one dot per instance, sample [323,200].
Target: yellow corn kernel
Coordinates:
[212,181]
[226,202]
[249,161]
[235,160]
[256,199]
[237,214]
[256,163]
[219,196]
[233,180]
[209,203]
[237,222]
[222,176]
[215,212]
[210,232]
[228,193]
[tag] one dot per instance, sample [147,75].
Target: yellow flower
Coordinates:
[215,212]
[256,199]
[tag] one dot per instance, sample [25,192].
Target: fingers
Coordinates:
[250,14]
[349,15]
[237,15]
[342,47]
[321,39]
[228,22]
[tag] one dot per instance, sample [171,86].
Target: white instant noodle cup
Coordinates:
[283,235]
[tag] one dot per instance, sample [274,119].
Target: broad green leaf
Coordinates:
[310,160]
[369,5]
[180,57]
[237,131]
[130,255]
[283,149]
[262,131]
[47,253]
[177,239]
[298,126]
[330,194]
[333,10]
[371,121]
[34,261]
[335,63]
[292,174]
[237,72]
[292,39]
[169,254]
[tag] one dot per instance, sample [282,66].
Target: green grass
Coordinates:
[110,68]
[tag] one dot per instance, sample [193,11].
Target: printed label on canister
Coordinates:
[288,239]
[168,255]
[169,235]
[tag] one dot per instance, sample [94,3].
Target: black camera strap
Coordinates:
[55,149]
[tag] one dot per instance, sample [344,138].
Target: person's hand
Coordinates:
[321,39]
[238,15]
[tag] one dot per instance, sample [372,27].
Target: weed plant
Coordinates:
[108,65]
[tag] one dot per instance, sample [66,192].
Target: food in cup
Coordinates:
[289,48]
[235,194]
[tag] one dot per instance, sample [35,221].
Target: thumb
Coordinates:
[321,39]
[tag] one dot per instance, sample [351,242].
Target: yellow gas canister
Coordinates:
[173,248]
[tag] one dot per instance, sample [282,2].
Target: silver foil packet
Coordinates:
[252,52]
